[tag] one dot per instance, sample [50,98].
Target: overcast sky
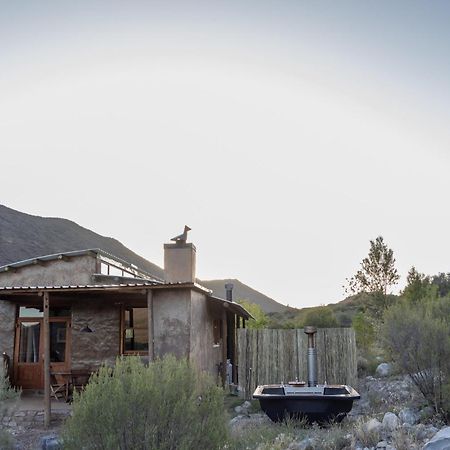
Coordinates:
[287,134]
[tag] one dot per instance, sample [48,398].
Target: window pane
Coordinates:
[29,342]
[60,312]
[136,329]
[25,311]
[30,312]
[57,341]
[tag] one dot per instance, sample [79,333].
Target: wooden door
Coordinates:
[29,350]
[28,354]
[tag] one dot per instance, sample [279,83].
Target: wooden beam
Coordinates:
[46,324]
[151,333]
[235,352]
[224,349]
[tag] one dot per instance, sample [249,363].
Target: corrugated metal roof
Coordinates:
[234,307]
[152,284]
[78,286]
[96,251]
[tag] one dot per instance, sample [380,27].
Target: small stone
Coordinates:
[382,445]
[20,414]
[238,409]
[384,370]
[390,421]
[372,426]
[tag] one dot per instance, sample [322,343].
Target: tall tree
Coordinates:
[377,274]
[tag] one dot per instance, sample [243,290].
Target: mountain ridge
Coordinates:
[24,236]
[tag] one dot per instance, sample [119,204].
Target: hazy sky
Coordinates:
[287,134]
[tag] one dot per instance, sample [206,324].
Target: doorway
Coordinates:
[29,349]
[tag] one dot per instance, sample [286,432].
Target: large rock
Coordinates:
[390,421]
[409,416]
[440,441]
[384,369]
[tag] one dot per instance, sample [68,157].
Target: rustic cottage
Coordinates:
[72,312]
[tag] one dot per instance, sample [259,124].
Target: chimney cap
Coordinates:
[310,329]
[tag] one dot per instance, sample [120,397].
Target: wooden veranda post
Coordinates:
[47,406]
[151,340]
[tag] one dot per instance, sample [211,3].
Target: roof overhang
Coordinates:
[20,293]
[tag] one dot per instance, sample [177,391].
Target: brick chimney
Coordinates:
[179,260]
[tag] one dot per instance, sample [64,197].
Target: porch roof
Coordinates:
[11,293]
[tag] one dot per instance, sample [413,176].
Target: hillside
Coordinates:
[243,292]
[23,236]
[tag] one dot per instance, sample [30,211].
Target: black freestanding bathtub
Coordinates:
[314,402]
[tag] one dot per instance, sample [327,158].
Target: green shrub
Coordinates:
[417,337]
[167,405]
[6,390]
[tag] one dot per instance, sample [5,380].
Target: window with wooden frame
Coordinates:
[134,330]
[217,332]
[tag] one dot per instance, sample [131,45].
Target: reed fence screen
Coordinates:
[271,356]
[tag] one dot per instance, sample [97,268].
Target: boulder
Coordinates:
[409,416]
[440,441]
[372,426]
[390,421]
[384,370]
[244,408]
[50,443]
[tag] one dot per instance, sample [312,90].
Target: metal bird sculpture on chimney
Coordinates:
[182,238]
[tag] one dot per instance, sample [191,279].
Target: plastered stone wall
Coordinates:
[7,328]
[172,322]
[203,353]
[76,270]
[90,350]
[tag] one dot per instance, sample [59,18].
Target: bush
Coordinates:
[417,336]
[6,393]
[6,390]
[167,405]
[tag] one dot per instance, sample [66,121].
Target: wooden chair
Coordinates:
[59,386]
[80,379]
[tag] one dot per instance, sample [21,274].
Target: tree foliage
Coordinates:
[442,281]
[417,336]
[260,318]
[419,287]
[377,273]
[320,317]
[364,331]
